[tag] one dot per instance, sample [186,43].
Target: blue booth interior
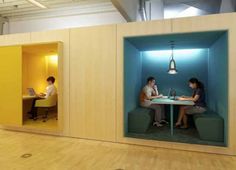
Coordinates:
[203,55]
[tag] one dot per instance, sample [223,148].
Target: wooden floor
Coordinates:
[56,153]
[50,124]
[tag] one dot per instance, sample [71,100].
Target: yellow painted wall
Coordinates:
[37,66]
[10,86]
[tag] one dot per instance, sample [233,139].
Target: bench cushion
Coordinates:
[210,126]
[140,119]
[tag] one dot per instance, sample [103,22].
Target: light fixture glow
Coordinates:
[38,4]
[52,60]
[172,64]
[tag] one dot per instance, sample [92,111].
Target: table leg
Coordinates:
[172,120]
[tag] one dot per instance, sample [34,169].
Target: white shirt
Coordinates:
[51,90]
[147,92]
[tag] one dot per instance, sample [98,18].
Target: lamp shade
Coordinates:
[172,67]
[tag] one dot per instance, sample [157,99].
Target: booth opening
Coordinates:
[171,67]
[40,85]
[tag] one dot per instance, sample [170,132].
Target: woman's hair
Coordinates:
[199,84]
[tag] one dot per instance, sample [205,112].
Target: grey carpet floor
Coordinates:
[180,135]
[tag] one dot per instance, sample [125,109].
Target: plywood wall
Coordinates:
[93,82]
[91,68]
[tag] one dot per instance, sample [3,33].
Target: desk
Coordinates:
[27,97]
[166,101]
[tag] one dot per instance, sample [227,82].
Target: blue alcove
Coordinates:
[203,55]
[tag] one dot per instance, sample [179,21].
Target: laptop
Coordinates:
[31,92]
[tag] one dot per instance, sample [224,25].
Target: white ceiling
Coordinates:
[16,9]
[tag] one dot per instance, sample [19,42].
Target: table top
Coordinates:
[166,100]
[25,97]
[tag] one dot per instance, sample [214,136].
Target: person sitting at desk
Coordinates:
[198,98]
[50,91]
[148,93]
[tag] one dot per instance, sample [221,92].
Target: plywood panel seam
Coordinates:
[69,75]
[116,82]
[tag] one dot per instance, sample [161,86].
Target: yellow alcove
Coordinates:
[38,63]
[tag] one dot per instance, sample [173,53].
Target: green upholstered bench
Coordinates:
[140,119]
[210,126]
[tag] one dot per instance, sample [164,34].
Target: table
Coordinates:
[166,101]
[27,97]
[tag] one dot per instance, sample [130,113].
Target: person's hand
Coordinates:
[181,98]
[40,95]
[155,87]
[158,96]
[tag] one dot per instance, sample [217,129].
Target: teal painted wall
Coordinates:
[218,79]
[132,78]
[190,63]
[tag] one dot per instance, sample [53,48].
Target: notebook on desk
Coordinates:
[31,92]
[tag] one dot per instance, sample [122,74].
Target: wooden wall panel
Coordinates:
[93,82]
[203,23]
[63,65]
[14,39]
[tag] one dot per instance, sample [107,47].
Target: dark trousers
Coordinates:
[34,109]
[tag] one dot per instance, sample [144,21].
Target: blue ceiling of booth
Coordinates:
[181,41]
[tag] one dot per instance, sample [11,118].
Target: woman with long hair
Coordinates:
[199,106]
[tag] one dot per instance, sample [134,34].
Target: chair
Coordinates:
[48,103]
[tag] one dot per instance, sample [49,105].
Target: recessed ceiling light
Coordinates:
[38,4]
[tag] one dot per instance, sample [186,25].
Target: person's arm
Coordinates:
[48,92]
[194,99]
[185,96]
[156,92]
[41,95]
[151,97]
[148,95]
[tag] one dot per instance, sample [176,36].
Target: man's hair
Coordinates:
[150,79]
[51,78]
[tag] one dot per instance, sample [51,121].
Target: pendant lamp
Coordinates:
[172,64]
